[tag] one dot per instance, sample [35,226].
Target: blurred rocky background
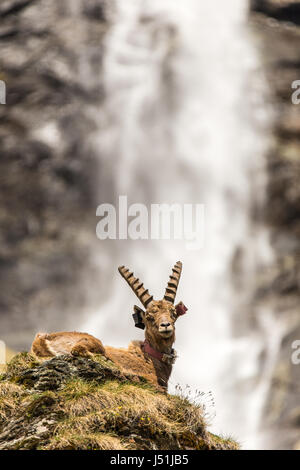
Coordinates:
[50,58]
[51,62]
[276,25]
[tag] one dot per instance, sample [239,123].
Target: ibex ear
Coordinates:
[138,317]
[181,309]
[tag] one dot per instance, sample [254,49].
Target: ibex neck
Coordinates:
[162,345]
[167,359]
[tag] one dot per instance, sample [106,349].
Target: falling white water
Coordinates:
[183,122]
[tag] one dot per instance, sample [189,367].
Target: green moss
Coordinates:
[19,364]
[77,388]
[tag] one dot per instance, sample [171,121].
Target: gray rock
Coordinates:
[50,60]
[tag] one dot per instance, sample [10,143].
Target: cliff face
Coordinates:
[51,61]
[277,31]
[83,404]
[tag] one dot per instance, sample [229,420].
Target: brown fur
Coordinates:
[159,321]
[133,359]
[54,344]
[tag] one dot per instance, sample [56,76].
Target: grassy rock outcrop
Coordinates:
[77,403]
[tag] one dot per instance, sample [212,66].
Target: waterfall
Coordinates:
[183,121]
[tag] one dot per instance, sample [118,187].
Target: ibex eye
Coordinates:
[149,317]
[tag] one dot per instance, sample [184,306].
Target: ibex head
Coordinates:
[160,315]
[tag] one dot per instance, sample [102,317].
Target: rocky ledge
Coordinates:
[77,403]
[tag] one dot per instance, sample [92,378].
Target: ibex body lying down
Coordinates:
[153,358]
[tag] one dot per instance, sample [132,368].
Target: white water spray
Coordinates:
[182,123]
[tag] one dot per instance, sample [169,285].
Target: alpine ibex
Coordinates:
[153,358]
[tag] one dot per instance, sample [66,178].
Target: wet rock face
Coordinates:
[277,30]
[281,10]
[50,61]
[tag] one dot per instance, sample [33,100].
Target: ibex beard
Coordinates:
[152,358]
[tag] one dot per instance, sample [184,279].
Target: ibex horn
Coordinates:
[173,283]
[136,286]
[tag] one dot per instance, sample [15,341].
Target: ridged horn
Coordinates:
[171,289]
[136,286]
